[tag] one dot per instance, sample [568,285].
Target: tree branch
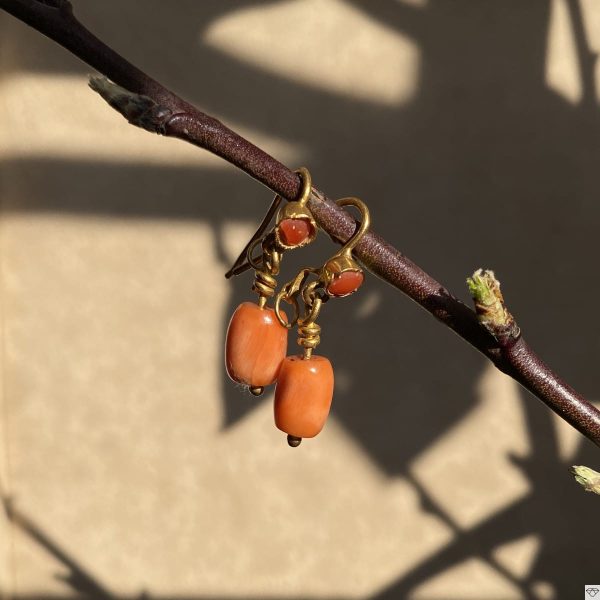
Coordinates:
[146,103]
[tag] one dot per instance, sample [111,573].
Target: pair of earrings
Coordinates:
[256,343]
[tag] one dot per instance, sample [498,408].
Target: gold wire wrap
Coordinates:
[309,333]
[265,283]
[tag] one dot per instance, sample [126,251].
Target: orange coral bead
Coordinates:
[256,345]
[295,231]
[345,283]
[303,395]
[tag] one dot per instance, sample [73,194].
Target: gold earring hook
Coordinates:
[242,263]
[364,226]
[306,185]
[341,275]
[296,213]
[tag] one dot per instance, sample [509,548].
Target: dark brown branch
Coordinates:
[158,109]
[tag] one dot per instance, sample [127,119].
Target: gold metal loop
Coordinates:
[271,261]
[253,262]
[309,293]
[291,291]
[290,300]
[297,285]
[364,224]
[304,193]
[309,333]
[306,185]
[313,315]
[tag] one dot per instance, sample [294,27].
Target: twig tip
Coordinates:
[587,478]
[138,109]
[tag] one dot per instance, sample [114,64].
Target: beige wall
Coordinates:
[135,465]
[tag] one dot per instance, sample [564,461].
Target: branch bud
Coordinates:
[139,110]
[489,305]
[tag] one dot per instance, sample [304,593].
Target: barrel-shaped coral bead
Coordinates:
[256,345]
[303,395]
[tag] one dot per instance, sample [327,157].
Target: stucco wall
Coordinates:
[135,466]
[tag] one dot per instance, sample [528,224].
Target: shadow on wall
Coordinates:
[486,166]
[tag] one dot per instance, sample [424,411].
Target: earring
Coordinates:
[256,341]
[304,389]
